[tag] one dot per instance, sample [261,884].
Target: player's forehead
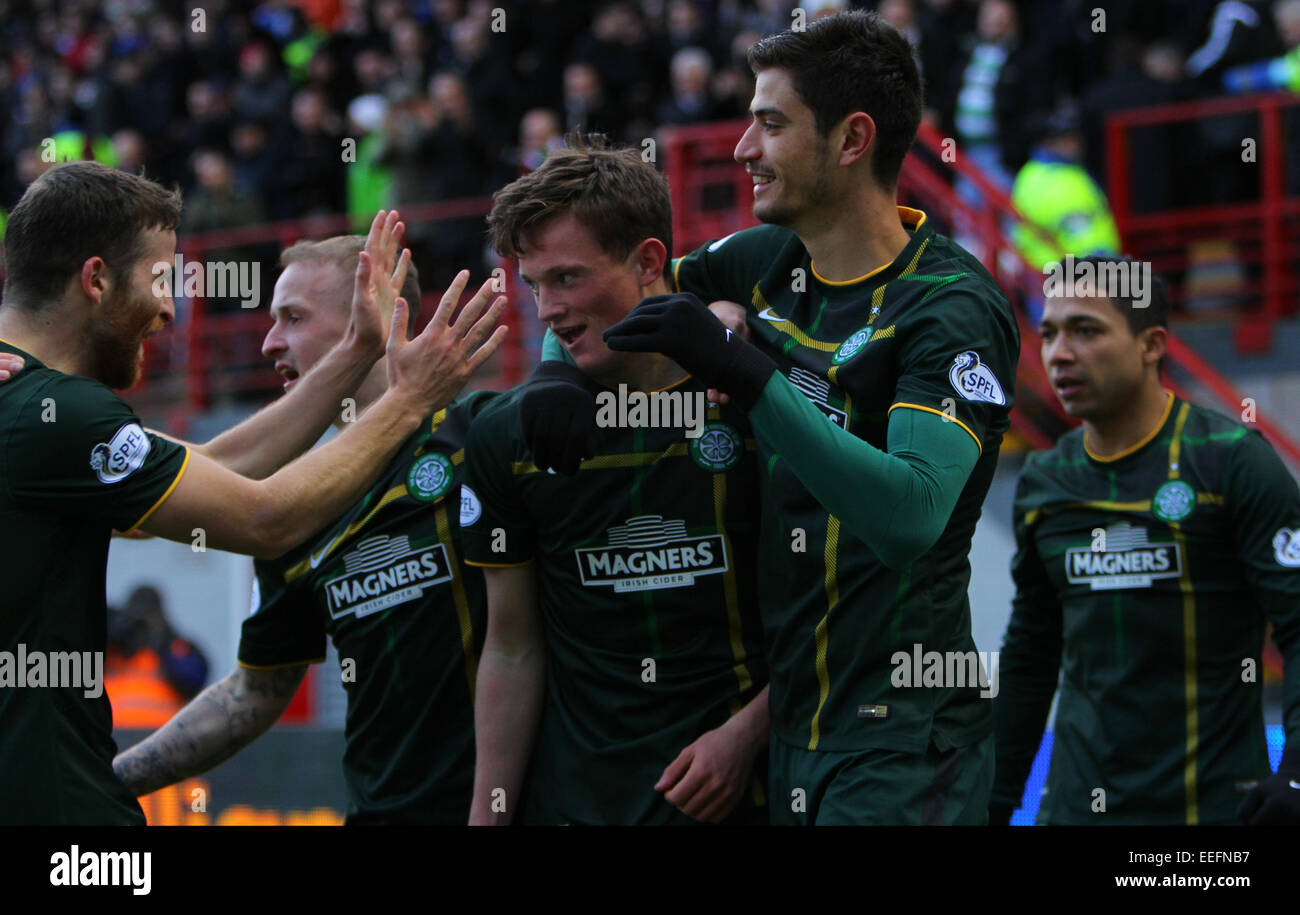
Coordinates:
[1060,310]
[775,95]
[558,245]
[311,285]
[159,246]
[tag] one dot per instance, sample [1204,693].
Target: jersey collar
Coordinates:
[912,220]
[1140,443]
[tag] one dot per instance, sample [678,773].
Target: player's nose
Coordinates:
[273,345]
[747,148]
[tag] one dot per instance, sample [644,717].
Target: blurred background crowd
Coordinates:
[248,106]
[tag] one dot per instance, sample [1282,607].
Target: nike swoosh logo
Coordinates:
[1294,784]
[767,314]
[316,558]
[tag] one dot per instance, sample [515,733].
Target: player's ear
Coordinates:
[94,279]
[1155,343]
[854,137]
[651,255]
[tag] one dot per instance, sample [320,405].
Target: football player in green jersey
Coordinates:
[878,382]
[623,658]
[384,581]
[1153,546]
[83,249]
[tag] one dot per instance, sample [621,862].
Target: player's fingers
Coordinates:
[484,352]
[713,395]
[447,304]
[361,280]
[690,782]
[399,272]
[675,769]
[376,230]
[717,809]
[397,326]
[482,326]
[388,238]
[475,307]
[633,343]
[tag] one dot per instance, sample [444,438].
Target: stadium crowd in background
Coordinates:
[247,104]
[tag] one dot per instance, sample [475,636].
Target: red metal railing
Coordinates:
[1265,232]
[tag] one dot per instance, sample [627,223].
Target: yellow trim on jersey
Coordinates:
[904,215]
[498,565]
[458,597]
[320,660]
[951,419]
[163,498]
[745,681]
[677,265]
[790,329]
[302,568]
[1169,405]
[631,459]
[821,634]
[878,301]
[1190,711]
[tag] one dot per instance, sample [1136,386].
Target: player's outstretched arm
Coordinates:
[267,518]
[708,779]
[214,726]
[508,693]
[275,435]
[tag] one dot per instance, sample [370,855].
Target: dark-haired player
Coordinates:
[82,250]
[878,383]
[623,659]
[1154,545]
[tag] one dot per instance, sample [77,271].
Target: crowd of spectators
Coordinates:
[249,106]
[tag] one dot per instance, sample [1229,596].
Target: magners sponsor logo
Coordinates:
[1123,558]
[649,553]
[384,571]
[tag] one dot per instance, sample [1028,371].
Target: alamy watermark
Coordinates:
[23,669]
[656,409]
[240,280]
[946,669]
[1083,279]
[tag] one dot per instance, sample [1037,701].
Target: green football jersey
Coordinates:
[930,331]
[75,464]
[1146,581]
[645,563]
[386,582]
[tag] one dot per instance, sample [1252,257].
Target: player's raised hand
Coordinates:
[373,306]
[431,369]
[10,365]
[684,330]
[708,779]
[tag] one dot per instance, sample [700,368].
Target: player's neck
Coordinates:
[1113,435]
[850,240]
[374,386]
[47,335]
[644,372]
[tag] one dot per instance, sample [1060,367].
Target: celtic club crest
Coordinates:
[429,477]
[718,448]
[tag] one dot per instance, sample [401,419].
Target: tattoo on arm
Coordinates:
[214,726]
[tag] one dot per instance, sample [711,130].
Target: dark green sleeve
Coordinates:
[77,449]
[286,627]
[914,486]
[1029,666]
[1264,503]
[503,533]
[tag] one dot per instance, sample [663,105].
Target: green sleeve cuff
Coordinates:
[896,502]
[553,350]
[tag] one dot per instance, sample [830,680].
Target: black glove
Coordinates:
[558,416]
[1000,814]
[1276,800]
[683,329]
